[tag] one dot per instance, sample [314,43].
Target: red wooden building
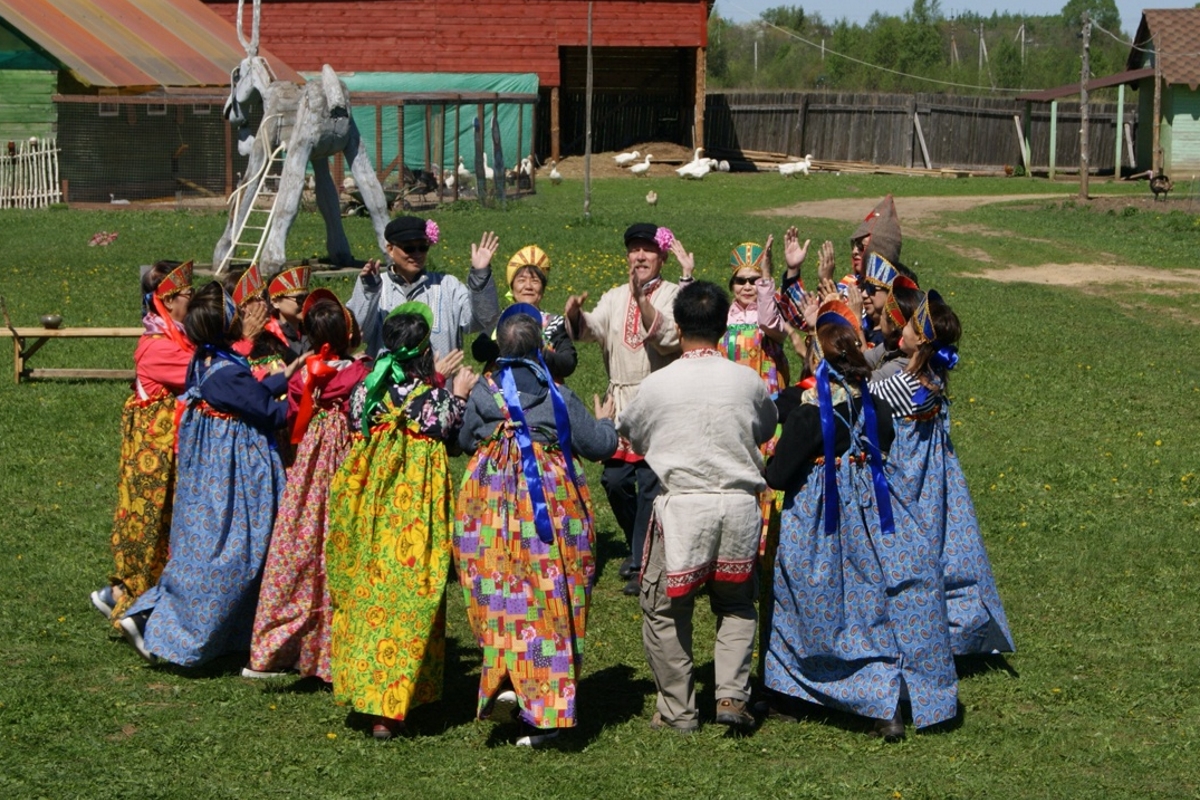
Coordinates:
[648,55]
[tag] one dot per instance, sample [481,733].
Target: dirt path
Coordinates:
[917,212]
[912,210]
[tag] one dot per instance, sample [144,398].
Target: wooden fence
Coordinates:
[29,174]
[938,131]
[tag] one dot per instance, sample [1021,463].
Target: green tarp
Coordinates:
[514,118]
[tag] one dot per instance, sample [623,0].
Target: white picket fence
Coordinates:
[29,174]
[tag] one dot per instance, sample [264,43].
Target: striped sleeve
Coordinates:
[903,394]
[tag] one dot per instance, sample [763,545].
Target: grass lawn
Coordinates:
[1072,409]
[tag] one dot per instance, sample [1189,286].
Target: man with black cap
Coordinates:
[457,309]
[635,326]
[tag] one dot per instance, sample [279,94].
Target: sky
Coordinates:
[859,11]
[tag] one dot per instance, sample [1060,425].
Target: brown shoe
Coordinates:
[657,723]
[735,714]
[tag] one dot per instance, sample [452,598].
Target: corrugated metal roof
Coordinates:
[1174,32]
[136,43]
[1130,76]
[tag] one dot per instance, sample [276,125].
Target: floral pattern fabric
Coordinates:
[291,628]
[145,489]
[387,556]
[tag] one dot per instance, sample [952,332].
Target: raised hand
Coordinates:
[370,269]
[254,319]
[812,305]
[450,363]
[768,259]
[687,261]
[854,299]
[464,381]
[825,265]
[794,253]
[573,307]
[481,254]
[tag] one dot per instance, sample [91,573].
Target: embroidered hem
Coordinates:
[681,583]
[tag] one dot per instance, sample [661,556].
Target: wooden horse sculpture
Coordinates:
[314,122]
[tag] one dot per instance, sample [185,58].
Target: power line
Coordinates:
[889,70]
[1139,48]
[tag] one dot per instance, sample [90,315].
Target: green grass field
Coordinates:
[1075,411]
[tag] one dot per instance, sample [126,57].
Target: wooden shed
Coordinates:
[1169,41]
[648,55]
[131,89]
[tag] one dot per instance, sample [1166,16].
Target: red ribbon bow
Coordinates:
[318,373]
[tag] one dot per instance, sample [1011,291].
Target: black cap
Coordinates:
[644,231]
[404,229]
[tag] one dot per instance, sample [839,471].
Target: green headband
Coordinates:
[389,369]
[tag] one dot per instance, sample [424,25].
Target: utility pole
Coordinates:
[587,141]
[1083,106]
[953,45]
[1156,164]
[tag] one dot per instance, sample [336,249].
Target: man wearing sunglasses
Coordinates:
[457,309]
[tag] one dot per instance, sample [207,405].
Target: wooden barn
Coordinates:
[648,55]
[132,90]
[1172,143]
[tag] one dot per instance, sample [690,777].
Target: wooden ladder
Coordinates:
[250,236]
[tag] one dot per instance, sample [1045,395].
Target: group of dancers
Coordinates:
[283,492]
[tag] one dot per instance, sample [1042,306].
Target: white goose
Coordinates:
[793,167]
[642,168]
[555,176]
[488,172]
[626,158]
[697,169]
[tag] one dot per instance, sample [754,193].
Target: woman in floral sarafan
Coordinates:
[291,629]
[146,485]
[388,548]
[523,531]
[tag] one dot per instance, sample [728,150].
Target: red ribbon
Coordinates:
[318,373]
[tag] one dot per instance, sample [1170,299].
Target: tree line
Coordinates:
[921,50]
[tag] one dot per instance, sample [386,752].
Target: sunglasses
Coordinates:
[413,248]
[740,281]
[869,289]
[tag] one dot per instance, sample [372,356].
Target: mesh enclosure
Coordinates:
[173,148]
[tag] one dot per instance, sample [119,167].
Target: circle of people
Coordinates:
[279,494]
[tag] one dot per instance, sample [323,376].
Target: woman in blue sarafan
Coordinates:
[230,478]
[927,480]
[859,619]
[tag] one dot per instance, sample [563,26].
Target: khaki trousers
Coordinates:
[667,638]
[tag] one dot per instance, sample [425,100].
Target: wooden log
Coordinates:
[96,374]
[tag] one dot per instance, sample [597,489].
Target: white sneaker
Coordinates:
[536,740]
[104,601]
[257,673]
[505,707]
[133,634]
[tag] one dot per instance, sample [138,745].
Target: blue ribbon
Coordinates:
[882,498]
[529,463]
[874,453]
[945,357]
[828,433]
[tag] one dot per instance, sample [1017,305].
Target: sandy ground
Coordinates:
[915,211]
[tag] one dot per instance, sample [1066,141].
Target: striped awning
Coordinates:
[135,43]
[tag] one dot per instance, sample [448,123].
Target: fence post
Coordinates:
[1053,137]
[801,118]
[908,130]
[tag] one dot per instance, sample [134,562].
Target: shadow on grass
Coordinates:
[611,696]
[782,709]
[973,665]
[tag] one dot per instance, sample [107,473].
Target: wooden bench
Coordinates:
[27,341]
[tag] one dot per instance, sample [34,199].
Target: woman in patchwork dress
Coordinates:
[523,532]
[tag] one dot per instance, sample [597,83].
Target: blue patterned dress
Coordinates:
[859,618]
[230,478]
[928,481]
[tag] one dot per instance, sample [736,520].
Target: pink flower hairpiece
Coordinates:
[431,231]
[664,238]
